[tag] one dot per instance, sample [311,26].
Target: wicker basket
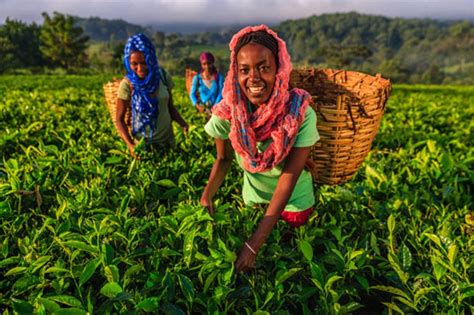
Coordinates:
[110,92]
[189,75]
[349,107]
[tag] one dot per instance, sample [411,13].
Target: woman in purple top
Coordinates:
[206,88]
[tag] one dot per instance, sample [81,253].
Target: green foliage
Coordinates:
[108,30]
[61,42]
[80,236]
[404,50]
[19,46]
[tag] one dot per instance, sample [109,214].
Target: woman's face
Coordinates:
[206,65]
[138,64]
[256,67]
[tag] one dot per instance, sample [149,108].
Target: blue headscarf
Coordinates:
[144,107]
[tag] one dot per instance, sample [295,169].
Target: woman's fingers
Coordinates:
[246,260]
[132,152]
[208,204]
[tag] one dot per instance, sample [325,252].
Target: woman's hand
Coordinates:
[223,161]
[295,162]
[185,128]
[200,108]
[131,148]
[246,260]
[208,204]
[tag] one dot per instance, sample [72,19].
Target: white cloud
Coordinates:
[230,11]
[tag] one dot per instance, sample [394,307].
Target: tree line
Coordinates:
[404,50]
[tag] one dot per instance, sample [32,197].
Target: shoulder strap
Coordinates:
[130,85]
[163,77]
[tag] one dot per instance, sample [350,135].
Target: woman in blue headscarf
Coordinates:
[147,89]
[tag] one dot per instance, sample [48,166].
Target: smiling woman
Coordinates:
[146,89]
[271,130]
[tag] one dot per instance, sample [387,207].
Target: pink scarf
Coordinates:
[279,119]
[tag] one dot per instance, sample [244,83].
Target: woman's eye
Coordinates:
[264,68]
[244,71]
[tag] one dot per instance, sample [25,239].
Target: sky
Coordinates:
[224,12]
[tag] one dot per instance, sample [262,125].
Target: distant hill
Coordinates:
[404,50]
[416,50]
[99,29]
[193,28]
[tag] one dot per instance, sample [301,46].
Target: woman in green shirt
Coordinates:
[270,128]
[146,88]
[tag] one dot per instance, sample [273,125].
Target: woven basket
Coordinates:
[349,107]
[110,92]
[189,75]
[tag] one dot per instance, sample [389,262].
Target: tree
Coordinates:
[61,42]
[19,45]
[7,56]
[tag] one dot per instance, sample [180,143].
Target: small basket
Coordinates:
[111,95]
[349,107]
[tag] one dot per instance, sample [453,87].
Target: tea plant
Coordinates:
[87,229]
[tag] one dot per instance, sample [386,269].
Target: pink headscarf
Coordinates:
[278,119]
[206,56]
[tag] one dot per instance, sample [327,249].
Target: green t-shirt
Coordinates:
[163,135]
[259,187]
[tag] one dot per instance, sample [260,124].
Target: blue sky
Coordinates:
[146,12]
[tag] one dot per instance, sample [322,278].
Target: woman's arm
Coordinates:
[219,170]
[122,106]
[294,164]
[174,114]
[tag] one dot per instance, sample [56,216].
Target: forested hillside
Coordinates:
[404,50]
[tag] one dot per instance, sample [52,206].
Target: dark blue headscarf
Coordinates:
[144,107]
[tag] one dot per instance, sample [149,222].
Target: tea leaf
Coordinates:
[70,311]
[282,276]
[88,271]
[166,183]
[82,246]
[421,293]
[22,307]
[50,306]
[393,306]
[15,271]
[186,287]
[148,304]
[406,257]
[66,300]
[434,238]
[56,270]
[452,253]
[306,249]
[112,273]
[438,269]
[111,289]
[391,224]
[391,290]
[188,245]
[331,280]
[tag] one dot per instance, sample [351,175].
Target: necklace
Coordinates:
[206,76]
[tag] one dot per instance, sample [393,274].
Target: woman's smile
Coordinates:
[256,72]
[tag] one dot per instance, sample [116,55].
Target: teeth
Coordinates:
[256,89]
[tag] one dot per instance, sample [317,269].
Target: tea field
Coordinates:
[86,229]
